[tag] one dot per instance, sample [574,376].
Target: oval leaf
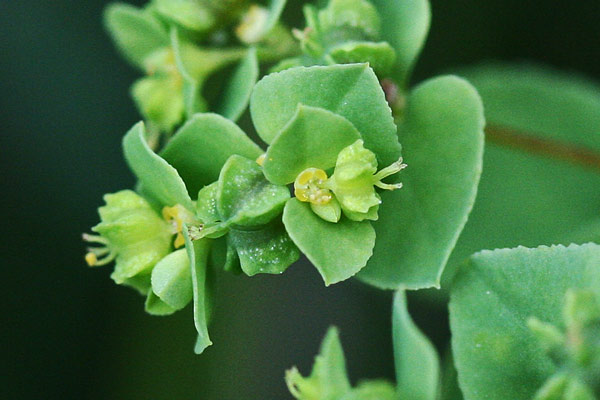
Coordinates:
[352,91]
[419,224]
[337,250]
[200,148]
[312,139]
[159,179]
[492,299]
[417,362]
[172,280]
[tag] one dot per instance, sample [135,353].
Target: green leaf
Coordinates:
[352,91]
[158,178]
[328,379]
[419,224]
[337,250]
[493,297]
[417,362]
[449,384]
[198,251]
[155,306]
[405,25]
[172,280]
[136,32]
[520,190]
[312,139]
[200,148]
[189,14]
[245,197]
[380,56]
[206,205]
[275,9]
[237,93]
[266,251]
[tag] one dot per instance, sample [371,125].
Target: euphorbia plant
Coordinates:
[362,174]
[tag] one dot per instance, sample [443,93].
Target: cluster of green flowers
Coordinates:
[213,199]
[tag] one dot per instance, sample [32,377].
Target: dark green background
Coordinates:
[69,332]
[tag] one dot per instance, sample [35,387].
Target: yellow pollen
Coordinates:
[91,259]
[173,216]
[310,187]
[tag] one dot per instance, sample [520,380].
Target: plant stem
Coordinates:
[543,146]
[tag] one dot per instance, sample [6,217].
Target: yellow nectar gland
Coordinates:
[310,187]
[173,215]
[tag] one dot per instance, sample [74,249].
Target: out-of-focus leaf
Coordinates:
[137,33]
[404,25]
[492,299]
[527,198]
[236,95]
[417,361]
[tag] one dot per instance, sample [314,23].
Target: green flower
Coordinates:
[351,188]
[132,234]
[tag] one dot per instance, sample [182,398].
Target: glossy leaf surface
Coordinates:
[352,91]
[492,299]
[200,148]
[312,139]
[337,250]
[266,251]
[419,224]
[245,197]
[159,179]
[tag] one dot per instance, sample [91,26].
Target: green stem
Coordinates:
[549,148]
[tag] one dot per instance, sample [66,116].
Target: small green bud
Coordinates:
[160,99]
[131,233]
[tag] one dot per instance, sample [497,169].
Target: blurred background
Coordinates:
[68,332]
